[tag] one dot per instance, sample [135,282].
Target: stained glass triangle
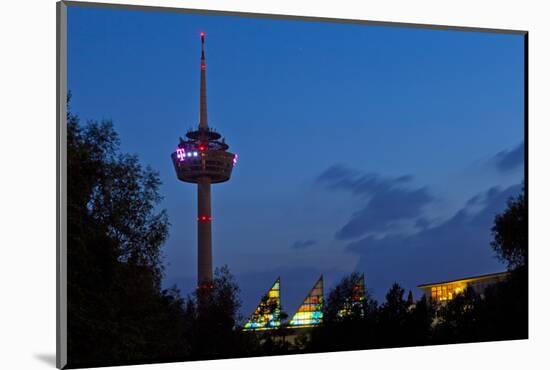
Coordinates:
[310,312]
[268,313]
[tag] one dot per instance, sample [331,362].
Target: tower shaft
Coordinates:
[204,209]
[204,232]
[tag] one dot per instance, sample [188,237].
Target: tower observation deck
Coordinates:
[202,158]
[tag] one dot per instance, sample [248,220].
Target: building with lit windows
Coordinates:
[446,290]
[267,315]
[310,312]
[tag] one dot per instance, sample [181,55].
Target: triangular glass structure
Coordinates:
[310,312]
[268,313]
[356,298]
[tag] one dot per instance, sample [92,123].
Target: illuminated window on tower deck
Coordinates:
[267,315]
[310,312]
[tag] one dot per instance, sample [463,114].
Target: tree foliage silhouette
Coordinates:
[212,315]
[510,233]
[117,311]
[345,321]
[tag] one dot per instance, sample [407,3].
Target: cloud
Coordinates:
[340,177]
[456,248]
[303,244]
[508,160]
[384,209]
[389,200]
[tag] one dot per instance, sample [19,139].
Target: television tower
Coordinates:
[203,159]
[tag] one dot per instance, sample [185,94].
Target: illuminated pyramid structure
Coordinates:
[355,300]
[267,315]
[310,312]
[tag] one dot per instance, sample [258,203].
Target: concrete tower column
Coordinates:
[204,216]
[204,232]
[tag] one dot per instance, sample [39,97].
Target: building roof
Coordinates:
[468,279]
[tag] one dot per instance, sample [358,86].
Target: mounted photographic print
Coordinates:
[237,185]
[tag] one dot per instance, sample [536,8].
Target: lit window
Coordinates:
[267,314]
[310,312]
[180,154]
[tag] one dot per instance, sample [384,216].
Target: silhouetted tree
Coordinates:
[274,341]
[267,342]
[341,304]
[506,304]
[510,233]
[214,315]
[458,320]
[348,323]
[503,312]
[392,318]
[418,326]
[117,311]
[410,299]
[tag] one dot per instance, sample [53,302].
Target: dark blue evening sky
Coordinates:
[379,149]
